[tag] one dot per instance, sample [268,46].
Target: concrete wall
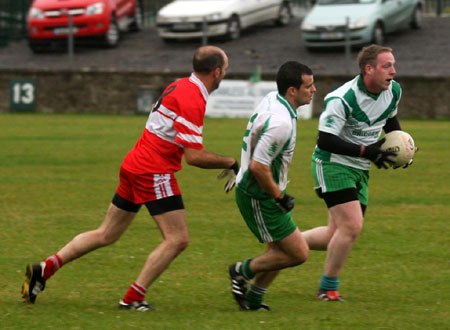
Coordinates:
[116,91]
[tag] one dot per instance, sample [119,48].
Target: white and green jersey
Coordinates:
[356,116]
[270,140]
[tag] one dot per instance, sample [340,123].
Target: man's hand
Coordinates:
[231,174]
[379,157]
[285,202]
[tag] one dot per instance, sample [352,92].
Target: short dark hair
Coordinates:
[207,59]
[369,55]
[290,75]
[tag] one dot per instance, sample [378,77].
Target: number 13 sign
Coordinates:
[22,95]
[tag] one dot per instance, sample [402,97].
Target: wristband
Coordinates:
[235,167]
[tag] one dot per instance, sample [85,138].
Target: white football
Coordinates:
[401,143]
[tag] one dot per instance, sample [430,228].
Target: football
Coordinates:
[401,143]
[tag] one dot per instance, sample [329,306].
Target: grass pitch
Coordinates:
[58,174]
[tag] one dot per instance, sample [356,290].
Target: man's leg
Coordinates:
[115,223]
[175,234]
[288,252]
[175,239]
[348,218]
[319,237]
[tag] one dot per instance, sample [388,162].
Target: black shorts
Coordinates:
[155,207]
[340,197]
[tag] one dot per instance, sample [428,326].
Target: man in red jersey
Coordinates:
[173,129]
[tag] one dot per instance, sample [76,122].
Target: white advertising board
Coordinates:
[238,98]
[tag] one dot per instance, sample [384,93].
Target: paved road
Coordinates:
[422,52]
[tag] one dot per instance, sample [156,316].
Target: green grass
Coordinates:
[58,174]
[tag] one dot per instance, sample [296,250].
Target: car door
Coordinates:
[391,13]
[248,11]
[267,9]
[407,8]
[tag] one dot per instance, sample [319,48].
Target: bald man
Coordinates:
[173,129]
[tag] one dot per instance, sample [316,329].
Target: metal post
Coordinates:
[347,44]
[70,41]
[439,8]
[205,31]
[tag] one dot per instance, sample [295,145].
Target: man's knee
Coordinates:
[179,243]
[301,255]
[105,237]
[353,229]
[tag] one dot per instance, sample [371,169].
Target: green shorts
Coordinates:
[331,177]
[264,218]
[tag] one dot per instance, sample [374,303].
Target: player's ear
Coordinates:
[217,72]
[291,90]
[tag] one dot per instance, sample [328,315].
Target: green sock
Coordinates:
[255,296]
[245,269]
[329,283]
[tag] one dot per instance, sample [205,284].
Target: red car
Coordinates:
[48,20]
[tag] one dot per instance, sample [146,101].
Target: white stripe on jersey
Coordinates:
[188,124]
[191,138]
[263,231]
[319,174]
[161,122]
[162,185]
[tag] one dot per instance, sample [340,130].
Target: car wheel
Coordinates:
[111,37]
[138,18]
[234,28]
[378,34]
[416,19]
[284,15]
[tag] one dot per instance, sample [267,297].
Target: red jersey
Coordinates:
[175,122]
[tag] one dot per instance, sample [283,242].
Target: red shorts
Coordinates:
[143,188]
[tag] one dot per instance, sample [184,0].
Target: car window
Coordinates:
[343,2]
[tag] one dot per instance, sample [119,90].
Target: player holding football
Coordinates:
[267,151]
[173,129]
[349,128]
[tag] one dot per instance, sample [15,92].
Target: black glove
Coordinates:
[285,202]
[379,157]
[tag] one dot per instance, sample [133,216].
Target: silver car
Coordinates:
[332,22]
[182,19]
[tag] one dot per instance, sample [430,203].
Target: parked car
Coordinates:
[182,19]
[48,20]
[368,21]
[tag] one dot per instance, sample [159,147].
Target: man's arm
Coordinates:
[334,144]
[392,124]
[206,159]
[263,176]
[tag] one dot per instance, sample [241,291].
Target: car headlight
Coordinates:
[359,24]
[213,17]
[35,13]
[306,26]
[95,8]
